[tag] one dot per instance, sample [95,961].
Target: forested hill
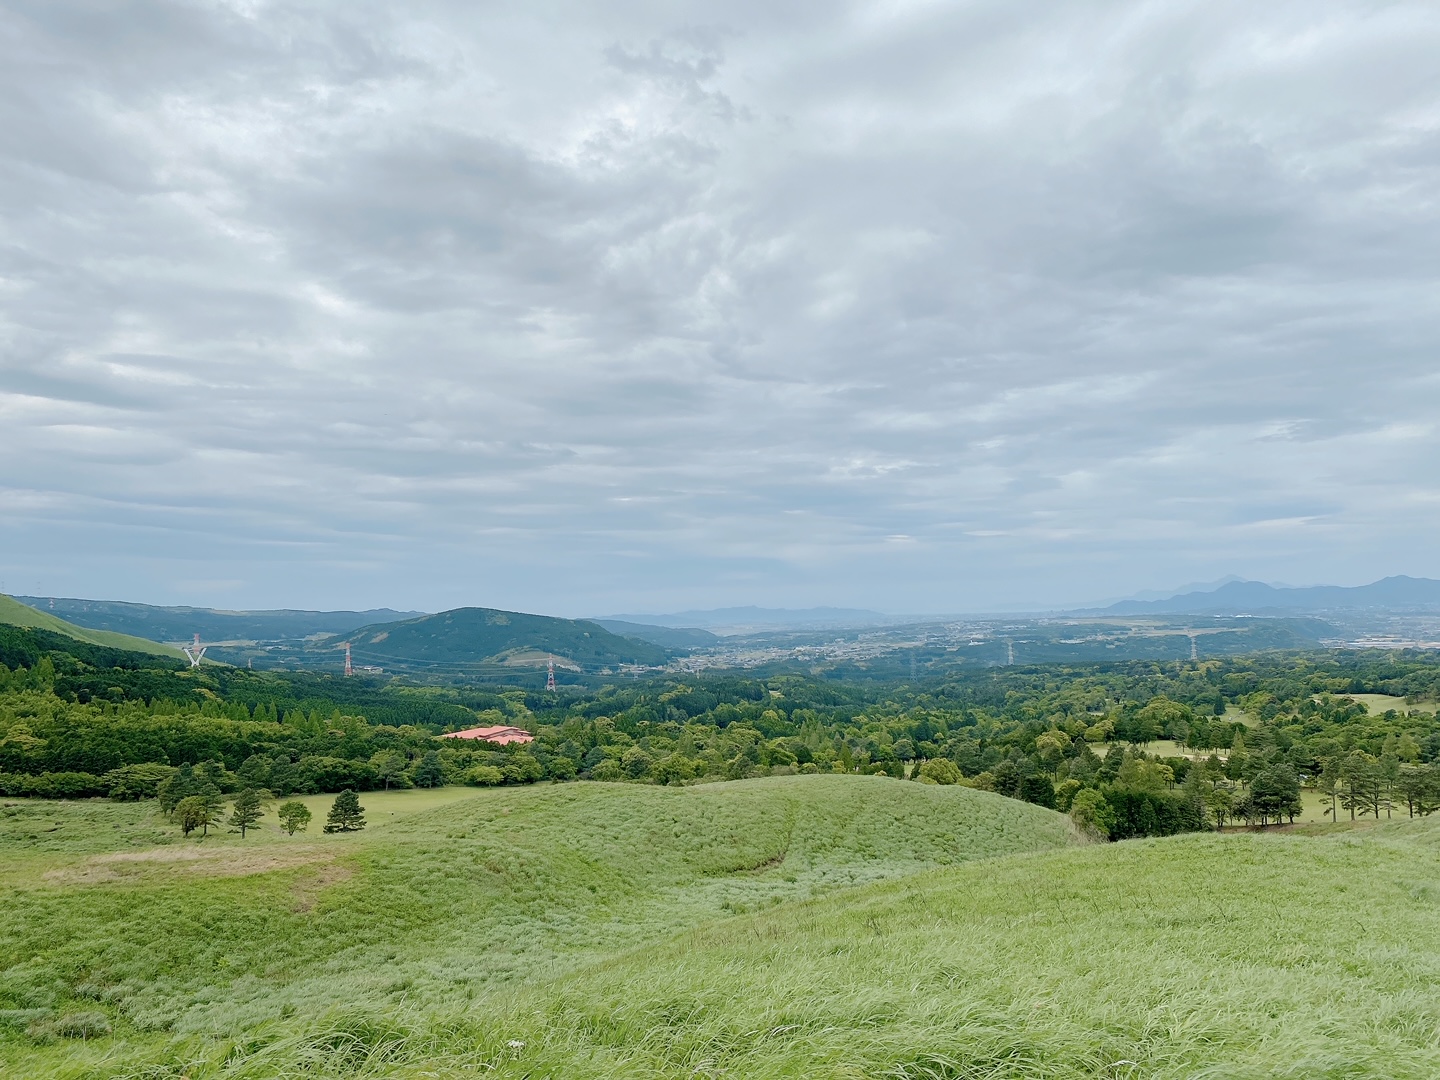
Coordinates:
[14,613]
[179,623]
[472,640]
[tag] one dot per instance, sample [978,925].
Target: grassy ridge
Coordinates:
[436,909]
[14,613]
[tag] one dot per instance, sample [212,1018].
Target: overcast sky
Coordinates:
[581,308]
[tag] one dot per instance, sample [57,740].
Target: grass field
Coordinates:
[1377,704]
[808,926]
[459,893]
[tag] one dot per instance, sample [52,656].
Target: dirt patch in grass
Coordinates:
[308,889]
[200,862]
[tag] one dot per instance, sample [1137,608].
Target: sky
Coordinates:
[580,308]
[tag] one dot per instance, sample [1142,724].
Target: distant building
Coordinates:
[502,735]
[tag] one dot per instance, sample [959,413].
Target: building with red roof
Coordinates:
[501,735]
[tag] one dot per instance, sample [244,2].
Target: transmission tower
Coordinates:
[550,675]
[194,652]
[348,669]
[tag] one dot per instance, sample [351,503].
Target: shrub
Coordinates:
[941,771]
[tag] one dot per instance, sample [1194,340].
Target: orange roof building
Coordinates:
[501,735]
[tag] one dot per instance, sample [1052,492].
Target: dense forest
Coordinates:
[1243,734]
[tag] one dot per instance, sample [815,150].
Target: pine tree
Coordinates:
[346,814]
[246,810]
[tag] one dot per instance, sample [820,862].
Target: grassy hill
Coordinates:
[476,639]
[14,613]
[498,936]
[105,909]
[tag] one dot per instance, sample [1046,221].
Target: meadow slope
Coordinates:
[106,911]
[792,927]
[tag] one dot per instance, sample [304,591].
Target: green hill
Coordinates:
[102,902]
[480,639]
[14,613]
[806,926]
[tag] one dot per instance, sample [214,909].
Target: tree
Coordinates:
[1419,786]
[346,813]
[1359,784]
[197,812]
[246,811]
[389,767]
[1092,814]
[1221,805]
[428,771]
[1275,793]
[140,781]
[294,816]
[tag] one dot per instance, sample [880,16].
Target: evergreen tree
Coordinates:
[346,813]
[246,810]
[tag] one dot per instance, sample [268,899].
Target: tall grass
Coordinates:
[224,937]
[1236,956]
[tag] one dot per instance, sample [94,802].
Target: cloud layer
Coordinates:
[578,308]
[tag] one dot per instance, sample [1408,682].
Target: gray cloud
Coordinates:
[915,306]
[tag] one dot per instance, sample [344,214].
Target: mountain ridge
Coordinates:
[1396,593]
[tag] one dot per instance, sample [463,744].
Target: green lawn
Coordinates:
[808,926]
[1376,704]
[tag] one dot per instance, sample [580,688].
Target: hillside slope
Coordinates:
[669,637]
[1238,956]
[473,638]
[498,935]
[179,623]
[14,613]
[503,887]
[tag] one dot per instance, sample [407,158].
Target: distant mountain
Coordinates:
[485,639]
[14,613]
[1397,594]
[181,623]
[757,616]
[682,637]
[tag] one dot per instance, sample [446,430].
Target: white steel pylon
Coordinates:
[550,675]
[194,652]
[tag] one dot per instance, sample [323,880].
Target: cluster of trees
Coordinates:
[1248,733]
[198,804]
